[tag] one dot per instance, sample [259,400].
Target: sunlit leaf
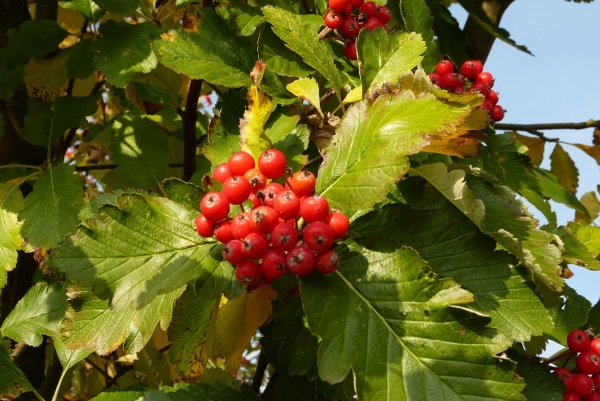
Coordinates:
[11,203]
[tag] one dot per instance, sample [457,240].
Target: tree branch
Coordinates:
[527,127]
[259,374]
[114,166]
[189,118]
[330,92]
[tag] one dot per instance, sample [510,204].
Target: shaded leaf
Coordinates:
[202,391]
[541,384]
[80,61]
[418,18]
[592,204]
[88,8]
[450,38]
[244,18]
[279,58]
[12,379]
[68,357]
[133,393]
[46,79]
[33,39]
[11,203]
[552,189]
[223,132]
[563,167]
[119,6]
[570,314]
[289,138]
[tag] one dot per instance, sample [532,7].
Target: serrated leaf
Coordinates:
[80,61]
[593,151]
[384,57]
[91,324]
[11,203]
[307,89]
[237,322]
[145,247]
[450,38]
[552,189]
[68,357]
[279,58]
[33,39]
[541,383]
[162,78]
[244,18]
[592,204]
[588,235]
[87,8]
[214,53]
[535,147]
[455,248]
[12,380]
[575,251]
[273,84]
[223,132]
[37,313]
[570,314]
[124,49]
[498,214]
[90,209]
[51,209]
[191,334]
[202,391]
[302,37]
[121,7]
[252,133]
[384,315]
[184,193]
[368,152]
[563,167]
[289,138]
[418,18]
[138,148]
[45,123]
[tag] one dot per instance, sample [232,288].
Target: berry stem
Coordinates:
[324,32]
[558,356]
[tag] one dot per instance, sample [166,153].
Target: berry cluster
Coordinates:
[471,78]
[351,16]
[584,384]
[264,243]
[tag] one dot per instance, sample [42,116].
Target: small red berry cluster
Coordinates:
[471,78]
[264,243]
[351,16]
[584,384]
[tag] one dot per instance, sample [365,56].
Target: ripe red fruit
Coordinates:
[233,252]
[339,223]
[247,272]
[221,172]
[256,202]
[595,346]
[371,23]
[338,5]
[571,397]
[582,384]
[350,50]
[255,246]
[487,105]
[453,80]
[240,162]
[284,237]
[256,179]
[241,225]
[347,11]
[436,79]
[287,205]
[596,380]
[356,3]
[566,376]
[272,163]
[269,193]
[497,113]
[314,208]
[274,264]
[215,206]
[204,226]
[595,396]
[578,341]
[318,236]
[236,189]
[223,232]
[444,67]
[480,87]
[328,261]
[301,261]
[332,19]
[263,219]
[350,27]
[385,14]
[492,96]
[370,9]
[303,183]
[471,68]
[486,78]
[588,362]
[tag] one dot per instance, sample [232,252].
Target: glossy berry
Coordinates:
[204,226]
[487,105]
[436,79]
[497,113]
[350,50]
[444,67]
[578,341]
[328,261]
[269,193]
[255,200]
[240,162]
[350,27]
[356,3]
[595,346]
[348,11]
[223,232]
[314,208]
[318,236]
[480,87]
[566,376]
[272,163]
[582,384]
[215,206]
[471,68]
[339,223]
[370,9]
[596,380]
[371,23]
[492,96]
[237,189]
[486,78]
[571,397]
[284,237]
[241,225]
[338,6]
[274,264]
[264,219]
[453,80]
[221,172]
[595,396]
[256,179]
[233,252]
[247,272]
[385,15]
[332,19]
[287,205]
[588,362]
[303,183]
[255,246]
[301,261]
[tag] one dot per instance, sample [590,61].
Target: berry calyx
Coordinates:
[256,179]
[350,27]
[588,362]
[264,219]
[318,236]
[233,252]
[332,19]
[287,205]
[241,225]
[578,341]
[247,272]
[272,163]
[370,9]
[284,237]
[300,260]
[328,261]
[274,264]
[270,192]
[214,206]
[255,246]
[436,79]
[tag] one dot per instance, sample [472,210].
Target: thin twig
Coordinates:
[536,127]
[213,87]
[324,32]
[313,160]
[330,92]
[189,118]
[114,166]
[259,373]
[561,355]
[98,368]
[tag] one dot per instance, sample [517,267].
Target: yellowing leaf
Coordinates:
[535,147]
[354,95]
[593,151]
[564,169]
[252,133]
[591,203]
[307,89]
[237,322]
[458,144]
[45,79]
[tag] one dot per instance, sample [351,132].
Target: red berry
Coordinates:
[371,23]
[492,96]
[318,236]
[236,189]
[348,11]
[223,232]
[453,80]
[487,105]
[255,246]
[471,68]
[204,226]
[247,272]
[287,205]
[578,341]
[256,179]
[385,14]
[274,264]
[338,5]
[339,223]
[582,384]
[269,193]
[460,89]
[300,260]
[241,225]
[566,376]
[356,3]
[350,27]
[444,67]
[486,78]
[284,237]
[254,198]
[221,172]
[595,346]
[233,252]
[595,396]
[332,19]
[215,206]
[370,9]
[571,397]
[596,380]
[264,219]
[240,162]
[314,208]
[303,183]
[350,50]
[436,79]
[497,113]
[480,87]
[328,261]
[272,163]
[588,362]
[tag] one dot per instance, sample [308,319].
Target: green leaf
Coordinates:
[80,62]
[90,209]
[68,357]
[10,81]
[11,203]
[563,167]
[497,213]
[91,324]
[418,18]
[455,248]
[450,38]
[162,78]
[184,193]
[202,391]
[552,189]
[223,132]
[244,18]
[45,123]
[12,379]
[302,37]
[368,152]
[274,86]
[121,7]
[290,139]
[87,8]
[592,205]
[33,39]
[570,314]
[384,315]
[575,252]
[124,49]
[541,383]
[132,393]
[384,57]
[37,313]
[51,209]
[215,53]
[307,89]
[279,58]
[131,253]
[138,148]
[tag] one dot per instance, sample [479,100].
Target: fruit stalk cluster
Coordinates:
[583,383]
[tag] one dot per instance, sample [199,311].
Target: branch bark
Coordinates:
[479,42]
[189,117]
